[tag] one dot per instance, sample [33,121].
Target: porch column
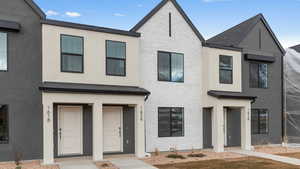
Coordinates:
[140,131]
[97,132]
[246,127]
[218,128]
[48,144]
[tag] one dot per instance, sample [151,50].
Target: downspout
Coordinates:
[283,101]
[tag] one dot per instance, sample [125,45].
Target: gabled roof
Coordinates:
[297,48]
[36,8]
[158,7]
[235,35]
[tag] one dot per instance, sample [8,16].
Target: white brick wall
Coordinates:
[155,37]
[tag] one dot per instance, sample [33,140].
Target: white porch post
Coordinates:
[97,132]
[140,131]
[218,128]
[246,128]
[48,144]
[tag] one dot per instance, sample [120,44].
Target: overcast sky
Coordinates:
[209,16]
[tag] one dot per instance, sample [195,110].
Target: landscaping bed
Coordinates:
[105,165]
[276,149]
[27,165]
[237,163]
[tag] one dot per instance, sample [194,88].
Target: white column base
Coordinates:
[97,132]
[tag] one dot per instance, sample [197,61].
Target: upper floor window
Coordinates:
[115,58]
[71,54]
[258,75]
[170,67]
[170,122]
[260,121]
[3,51]
[225,69]
[3,124]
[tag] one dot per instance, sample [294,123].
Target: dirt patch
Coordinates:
[105,165]
[240,163]
[161,158]
[28,165]
[293,155]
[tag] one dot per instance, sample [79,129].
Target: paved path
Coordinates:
[282,159]
[78,164]
[131,164]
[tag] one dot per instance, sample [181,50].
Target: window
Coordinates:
[71,54]
[258,75]
[260,121]
[3,51]
[225,67]
[3,124]
[115,58]
[170,67]
[170,122]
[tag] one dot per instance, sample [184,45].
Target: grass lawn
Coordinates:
[293,155]
[241,163]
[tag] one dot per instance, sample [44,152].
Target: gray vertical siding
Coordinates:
[270,98]
[19,86]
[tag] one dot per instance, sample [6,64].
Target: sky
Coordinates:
[211,17]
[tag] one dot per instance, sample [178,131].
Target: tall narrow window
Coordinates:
[3,51]
[3,124]
[260,121]
[115,58]
[170,122]
[170,67]
[225,69]
[258,75]
[170,25]
[71,54]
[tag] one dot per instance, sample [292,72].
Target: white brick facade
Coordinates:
[154,38]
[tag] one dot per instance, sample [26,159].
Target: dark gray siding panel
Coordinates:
[19,86]
[270,98]
[128,130]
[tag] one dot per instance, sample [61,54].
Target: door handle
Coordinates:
[59,133]
[120,132]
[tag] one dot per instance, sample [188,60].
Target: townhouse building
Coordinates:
[85,90]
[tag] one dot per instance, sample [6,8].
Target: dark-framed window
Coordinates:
[4,136]
[115,58]
[72,49]
[3,51]
[225,69]
[170,122]
[258,75]
[170,67]
[260,121]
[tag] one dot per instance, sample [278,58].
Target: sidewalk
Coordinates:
[126,163]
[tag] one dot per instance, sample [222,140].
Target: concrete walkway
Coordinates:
[78,164]
[131,164]
[278,158]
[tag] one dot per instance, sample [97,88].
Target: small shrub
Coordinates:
[156,152]
[18,158]
[176,156]
[196,155]
[105,165]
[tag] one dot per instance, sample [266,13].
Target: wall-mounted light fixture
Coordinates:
[48,114]
[141,114]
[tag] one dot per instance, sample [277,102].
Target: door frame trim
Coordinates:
[59,150]
[121,125]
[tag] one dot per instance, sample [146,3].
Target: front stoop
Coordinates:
[131,164]
[78,164]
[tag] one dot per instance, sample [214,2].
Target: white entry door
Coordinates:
[112,129]
[70,130]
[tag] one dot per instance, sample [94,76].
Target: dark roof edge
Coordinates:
[229,95]
[36,8]
[181,11]
[89,27]
[218,46]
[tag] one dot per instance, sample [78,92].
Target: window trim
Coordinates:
[258,121]
[226,69]
[8,130]
[61,54]
[257,73]
[120,59]
[170,62]
[183,124]
[7,52]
